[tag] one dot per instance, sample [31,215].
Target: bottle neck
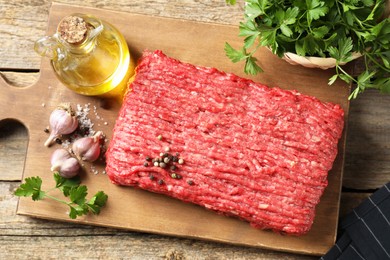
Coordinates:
[81,48]
[78,33]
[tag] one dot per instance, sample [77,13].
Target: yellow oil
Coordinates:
[103,67]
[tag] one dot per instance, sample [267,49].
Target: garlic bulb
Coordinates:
[88,148]
[63,163]
[62,121]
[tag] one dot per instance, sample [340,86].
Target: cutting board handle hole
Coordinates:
[13,143]
[19,79]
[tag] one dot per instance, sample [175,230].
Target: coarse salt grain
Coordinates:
[94,170]
[97,116]
[82,113]
[66,143]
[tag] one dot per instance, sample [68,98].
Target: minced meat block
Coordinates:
[258,153]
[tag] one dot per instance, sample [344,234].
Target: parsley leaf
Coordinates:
[332,79]
[238,55]
[65,184]
[320,32]
[253,10]
[251,66]
[268,37]
[249,30]
[315,9]
[31,187]
[233,54]
[384,84]
[291,15]
[77,194]
[310,44]
[343,52]
[286,30]
[77,210]
[97,202]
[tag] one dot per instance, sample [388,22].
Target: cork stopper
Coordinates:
[73,29]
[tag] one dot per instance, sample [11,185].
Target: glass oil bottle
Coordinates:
[89,56]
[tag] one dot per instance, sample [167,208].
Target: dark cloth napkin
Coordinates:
[365,231]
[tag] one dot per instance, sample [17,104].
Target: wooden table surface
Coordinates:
[367,165]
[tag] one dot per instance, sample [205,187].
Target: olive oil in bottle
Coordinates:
[89,56]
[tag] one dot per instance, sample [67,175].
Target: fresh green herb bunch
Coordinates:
[328,28]
[71,189]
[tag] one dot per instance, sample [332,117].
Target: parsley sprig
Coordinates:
[71,189]
[327,28]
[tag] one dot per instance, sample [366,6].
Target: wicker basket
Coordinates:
[314,62]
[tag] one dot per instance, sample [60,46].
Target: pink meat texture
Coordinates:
[257,153]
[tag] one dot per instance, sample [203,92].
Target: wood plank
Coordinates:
[24,22]
[350,200]
[367,163]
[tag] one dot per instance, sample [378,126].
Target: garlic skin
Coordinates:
[62,121]
[88,148]
[63,163]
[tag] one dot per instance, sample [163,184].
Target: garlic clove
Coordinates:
[92,154]
[59,155]
[88,148]
[63,162]
[62,121]
[70,168]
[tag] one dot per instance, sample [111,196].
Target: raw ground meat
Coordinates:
[257,153]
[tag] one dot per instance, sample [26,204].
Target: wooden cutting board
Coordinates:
[128,208]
